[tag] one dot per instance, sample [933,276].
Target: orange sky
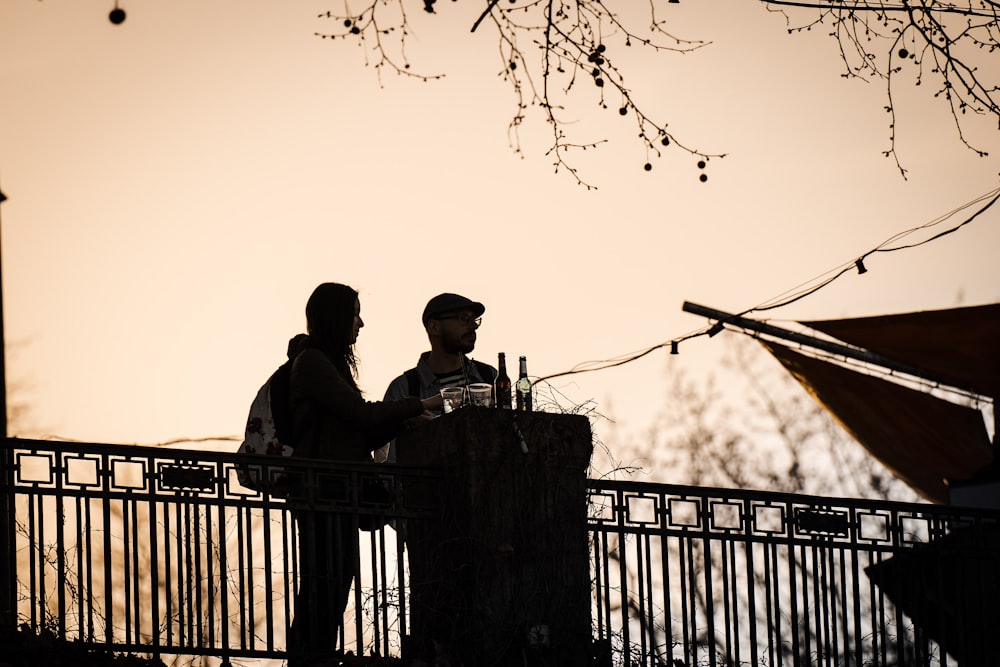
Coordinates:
[178,184]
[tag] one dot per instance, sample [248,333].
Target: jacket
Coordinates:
[428,382]
[331,419]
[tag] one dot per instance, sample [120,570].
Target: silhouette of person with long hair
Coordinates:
[332,420]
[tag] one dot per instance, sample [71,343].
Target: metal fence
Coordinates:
[164,552]
[692,576]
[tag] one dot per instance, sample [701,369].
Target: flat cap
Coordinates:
[448,303]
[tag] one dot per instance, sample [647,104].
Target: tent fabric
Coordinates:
[959,344]
[923,439]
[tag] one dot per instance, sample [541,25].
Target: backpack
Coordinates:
[268,433]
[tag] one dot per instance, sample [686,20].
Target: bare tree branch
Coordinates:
[938,40]
[550,49]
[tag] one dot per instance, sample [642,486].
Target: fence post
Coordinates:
[8,570]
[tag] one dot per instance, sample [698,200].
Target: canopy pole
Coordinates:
[825,345]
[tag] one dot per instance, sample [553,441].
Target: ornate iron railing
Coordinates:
[162,551]
[695,576]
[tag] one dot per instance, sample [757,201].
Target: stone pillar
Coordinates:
[502,576]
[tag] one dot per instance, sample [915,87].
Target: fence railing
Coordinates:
[693,576]
[163,551]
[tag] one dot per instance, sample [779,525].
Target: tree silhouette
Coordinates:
[942,42]
[549,49]
[762,431]
[753,427]
[19,400]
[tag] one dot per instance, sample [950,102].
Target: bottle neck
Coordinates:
[523,371]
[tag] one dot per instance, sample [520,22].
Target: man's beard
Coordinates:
[457,345]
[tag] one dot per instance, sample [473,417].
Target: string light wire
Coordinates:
[800,291]
[790,296]
[811,286]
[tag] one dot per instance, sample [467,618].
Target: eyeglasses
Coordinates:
[464,320]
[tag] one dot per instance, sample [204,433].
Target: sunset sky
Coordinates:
[178,184]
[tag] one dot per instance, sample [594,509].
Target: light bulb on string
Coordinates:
[117,15]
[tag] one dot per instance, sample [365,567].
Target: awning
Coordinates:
[961,344]
[923,439]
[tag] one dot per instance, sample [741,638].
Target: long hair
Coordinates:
[330,323]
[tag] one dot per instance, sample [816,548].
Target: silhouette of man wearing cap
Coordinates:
[451,321]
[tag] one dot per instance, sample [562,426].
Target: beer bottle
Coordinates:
[523,387]
[502,386]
